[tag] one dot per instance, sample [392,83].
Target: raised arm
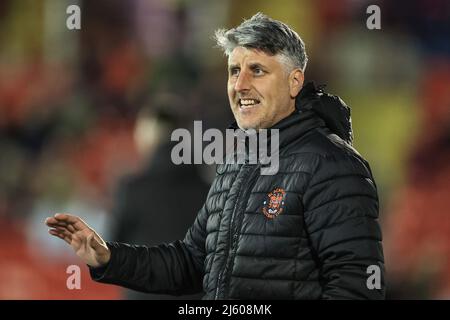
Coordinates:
[174,268]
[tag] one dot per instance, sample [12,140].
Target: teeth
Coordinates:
[248,102]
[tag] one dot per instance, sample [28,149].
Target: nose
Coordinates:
[243,82]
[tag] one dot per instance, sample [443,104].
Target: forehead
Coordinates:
[242,55]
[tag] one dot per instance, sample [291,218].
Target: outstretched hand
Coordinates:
[86,243]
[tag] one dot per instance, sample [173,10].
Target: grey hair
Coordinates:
[263,33]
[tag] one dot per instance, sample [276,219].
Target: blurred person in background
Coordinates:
[145,211]
[309,231]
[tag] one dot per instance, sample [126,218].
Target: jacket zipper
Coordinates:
[231,224]
[233,235]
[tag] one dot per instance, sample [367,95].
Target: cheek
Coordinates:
[270,88]
[282,94]
[230,90]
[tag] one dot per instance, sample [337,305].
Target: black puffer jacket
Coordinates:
[308,232]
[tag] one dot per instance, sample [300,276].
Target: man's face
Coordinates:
[260,90]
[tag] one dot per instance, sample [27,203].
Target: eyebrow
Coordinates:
[252,66]
[257,65]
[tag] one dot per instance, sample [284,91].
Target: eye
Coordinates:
[234,71]
[258,71]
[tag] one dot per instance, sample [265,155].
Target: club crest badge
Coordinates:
[274,203]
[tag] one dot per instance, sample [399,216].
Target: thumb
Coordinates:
[94,243]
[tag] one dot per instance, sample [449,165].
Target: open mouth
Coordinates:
[245,104]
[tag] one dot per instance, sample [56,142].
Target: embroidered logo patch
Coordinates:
[273,205]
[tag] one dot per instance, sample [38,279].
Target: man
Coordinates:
[310,231]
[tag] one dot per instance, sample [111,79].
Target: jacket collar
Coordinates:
[330,108]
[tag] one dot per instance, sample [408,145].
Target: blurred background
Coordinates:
[85,116]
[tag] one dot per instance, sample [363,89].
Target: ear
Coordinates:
[296,79]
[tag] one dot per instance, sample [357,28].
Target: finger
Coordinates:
[69,227]
[66,218]
[75,221]
[52,222]
[64,233]
[60,235]
[60,228]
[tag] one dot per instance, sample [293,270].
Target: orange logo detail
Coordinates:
[273,205]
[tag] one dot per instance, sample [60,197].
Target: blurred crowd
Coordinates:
[86,116]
